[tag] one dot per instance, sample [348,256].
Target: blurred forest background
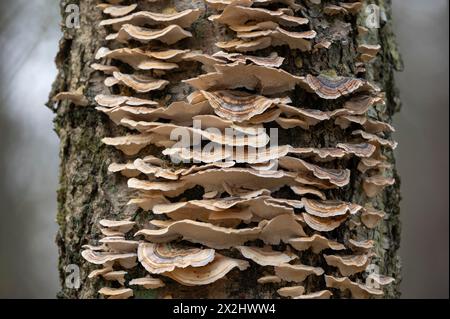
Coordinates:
[29,35]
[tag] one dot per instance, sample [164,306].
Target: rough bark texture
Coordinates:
[87,193]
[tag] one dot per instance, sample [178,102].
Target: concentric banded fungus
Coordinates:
[239,106]
[375,139]
[323,224]
[116,293]
[126,260]
[338,177]
[293,291]
[329,208]
[266,256]
[147,282]
[296,273]
[139,83]
[334,87]
[198,276]
[160,258]
[316,243]
[358,291]
[348,265]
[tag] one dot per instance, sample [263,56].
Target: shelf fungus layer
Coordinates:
[208,205]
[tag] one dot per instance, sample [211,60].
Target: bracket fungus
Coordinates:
[348,265]
[160,258]
[316,243]
[116,293]
[358,291]
[266,202]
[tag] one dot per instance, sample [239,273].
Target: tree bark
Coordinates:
[87,193]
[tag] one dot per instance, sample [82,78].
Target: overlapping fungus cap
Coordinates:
[375,139]
[116,293]
[222,4]
[170,189]
[168,35]
[279,36]
[266,256]
[139,83]
[323,294]
[361,245]
[264,80]
[370,217]
[323,224]
[239,106]
[116,10]
[148,201]
[111,101]
[329,208]
[328,87]
[338,177]
[292,291]
[238,14]
[198,276]
[273,60]
[264,207]
[121,226]
[165,257]
[147,282]
[296,273]
[374,185]
[133,144]
[203,233]
[363,150]
[241,178]
[358,291]
[126,260]
[348,265]
[183,19]
[305,190]
[281,229]
[316,243]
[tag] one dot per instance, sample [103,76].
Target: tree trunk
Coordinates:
[87,193]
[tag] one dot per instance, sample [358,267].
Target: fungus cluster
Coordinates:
[242,217]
